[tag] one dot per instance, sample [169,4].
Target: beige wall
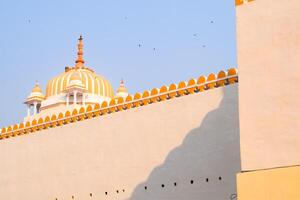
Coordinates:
[268,38]
[188,138]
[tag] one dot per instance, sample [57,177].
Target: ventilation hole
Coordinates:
[192,181]
[145,187]
[91,194]
[117,191]
[207,179]
[105,193]
[220,178]
[162,185]
[175,184]
[123,190]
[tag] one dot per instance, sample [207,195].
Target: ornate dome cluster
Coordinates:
[77,85]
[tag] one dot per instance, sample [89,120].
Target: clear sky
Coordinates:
[39,38]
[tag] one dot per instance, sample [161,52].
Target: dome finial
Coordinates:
[79,62]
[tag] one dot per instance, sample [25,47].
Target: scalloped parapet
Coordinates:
[155,95]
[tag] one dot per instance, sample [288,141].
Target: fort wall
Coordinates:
[182,148]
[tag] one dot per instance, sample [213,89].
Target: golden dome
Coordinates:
[75,77]
[93,83]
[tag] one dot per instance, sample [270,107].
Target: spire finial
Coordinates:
[79,62]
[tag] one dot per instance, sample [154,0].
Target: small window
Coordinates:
[105,193]
[123,190]
[146,187]
[220,178]
[192,181]
[117,191]
[91,194]
[207,179]
[175,184]
[72,197]
[162,185]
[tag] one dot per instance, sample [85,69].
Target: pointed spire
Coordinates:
[79,62]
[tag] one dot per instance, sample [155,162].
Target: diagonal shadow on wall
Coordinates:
[204,166]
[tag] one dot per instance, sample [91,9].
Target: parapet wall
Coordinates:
[160,147]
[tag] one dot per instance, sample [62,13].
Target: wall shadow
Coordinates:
[210,151]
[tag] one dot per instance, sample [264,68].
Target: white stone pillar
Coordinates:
[75,97]
[34,108]
[28,110]
[68,99]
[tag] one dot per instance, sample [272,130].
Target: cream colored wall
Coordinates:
[268,38]
[274,184]
[188,138]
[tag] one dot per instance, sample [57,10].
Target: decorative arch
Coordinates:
[53,120]
[172,90]
[40,123]
[82,115]
[145,97]
[163,92]
[181,86]
[192,86]
[104,106]
[112,104]
[97,109]
[153,95]
[47,122]
[221,75]
[33,125]
[27,127]
[74,115]
[201,83]
[136,98]
[89,112]
[232,72]
[128,101]
[60,118]
[211,78]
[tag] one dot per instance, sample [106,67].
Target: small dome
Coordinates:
[36,94]
[122,91]
[94,83]
[37,88]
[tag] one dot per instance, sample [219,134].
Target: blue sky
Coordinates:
[39,38]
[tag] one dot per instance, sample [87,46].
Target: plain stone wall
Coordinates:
[268,38]
[188,138]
